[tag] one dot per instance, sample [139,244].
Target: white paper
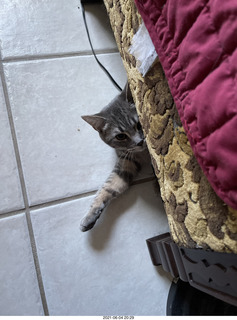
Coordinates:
[143,50]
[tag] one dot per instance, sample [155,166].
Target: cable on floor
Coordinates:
[93,51]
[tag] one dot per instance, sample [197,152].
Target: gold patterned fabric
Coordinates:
[197,216]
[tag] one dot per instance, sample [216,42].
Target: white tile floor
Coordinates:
[52,163]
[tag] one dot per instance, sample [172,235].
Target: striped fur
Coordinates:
[119,127]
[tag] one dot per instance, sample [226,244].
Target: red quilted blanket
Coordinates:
[196,41]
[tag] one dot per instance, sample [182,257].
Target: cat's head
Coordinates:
[118,123]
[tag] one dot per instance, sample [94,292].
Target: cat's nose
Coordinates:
[140,143]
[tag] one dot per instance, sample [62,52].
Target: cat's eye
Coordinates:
[121,136]
[139,127]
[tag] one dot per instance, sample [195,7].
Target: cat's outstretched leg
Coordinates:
[113,187]
[117,183]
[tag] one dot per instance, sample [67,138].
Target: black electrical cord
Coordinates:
[94,54]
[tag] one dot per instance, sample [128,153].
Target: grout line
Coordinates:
[23,188]
[80,196]
[144,180]
[13,134]
[47,204]
[57,56]
[65,200]
[62,200]
[37,265]
[7,214]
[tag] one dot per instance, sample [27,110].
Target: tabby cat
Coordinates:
[119,127]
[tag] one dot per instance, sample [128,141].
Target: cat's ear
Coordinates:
[96,121]
[126,93]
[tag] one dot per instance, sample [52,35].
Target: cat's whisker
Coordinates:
[126,157]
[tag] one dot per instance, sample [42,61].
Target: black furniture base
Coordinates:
[211,272]
[184,300]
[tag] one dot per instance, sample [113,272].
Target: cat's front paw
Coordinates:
[89,221]
[86,225]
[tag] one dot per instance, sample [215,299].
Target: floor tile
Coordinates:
[61,154]
[10,188]
[33,27]
[101,34]
[19,294]
[106,271]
